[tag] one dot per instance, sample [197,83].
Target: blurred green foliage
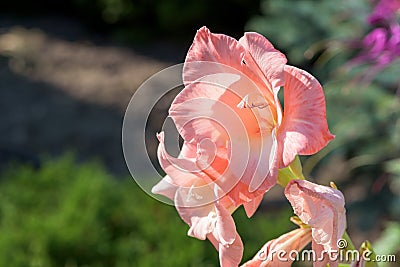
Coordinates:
[296,26]
[389,242]
[69,214]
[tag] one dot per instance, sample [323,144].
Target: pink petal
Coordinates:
[295,240]
[181,171]
[251,206]
[209,47]
[260,163]
[225,227]
[165,187]
[218,53]
[322,208]
[248,173]
[207,113]
[231,255]
[304,128]
[322,258]
[267,59]
[201,218]
[200,227]
[208,108]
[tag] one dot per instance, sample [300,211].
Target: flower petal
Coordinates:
[248,171]
[295,240]
[208,108]
[225,226]
[266,58]
[304,128]
[321,257]
[251,206]
[201,218]
[322,208]
[209,47]
[218,53]
[165,187]
[231,255]
[181,171]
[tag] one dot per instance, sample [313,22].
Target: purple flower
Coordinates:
[381,46]
[393,43]
[385,10]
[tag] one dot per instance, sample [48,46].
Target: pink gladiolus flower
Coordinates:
[322,208]
[230,117]
[235,133]
[276,252]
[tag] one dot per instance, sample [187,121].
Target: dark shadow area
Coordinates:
[37,118]
[64,88]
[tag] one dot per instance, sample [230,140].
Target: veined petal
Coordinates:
[304,128]
[261,167]
[210,47]
[201,218]
[225,227]
[247,172]
[182,172]
[208,108]
[267,59]
[231,255]
[218,53]
[322,208]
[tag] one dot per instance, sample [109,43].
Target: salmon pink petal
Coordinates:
[304,128]
[251,206]
[225,225]
[214,48]
[201,218]
[249,172]
[266,170]
[208,108]
[231,255]
[197,113]
[181,171]
[295,240]
[269,61]
[218,53]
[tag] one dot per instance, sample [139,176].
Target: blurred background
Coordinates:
[69,68]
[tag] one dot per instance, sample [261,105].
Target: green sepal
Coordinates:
[292,172]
